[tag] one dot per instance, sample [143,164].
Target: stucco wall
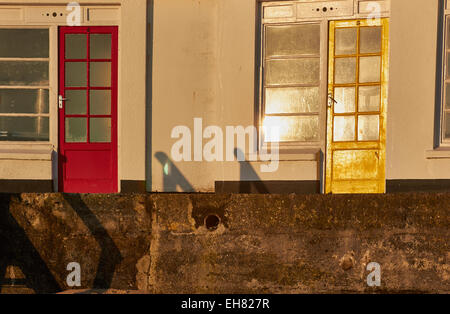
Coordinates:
[263,244]
[412,92]
[204,66]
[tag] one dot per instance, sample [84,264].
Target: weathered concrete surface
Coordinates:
[158,243]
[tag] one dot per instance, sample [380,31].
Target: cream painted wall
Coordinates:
[25,169]
[203,66]
[413,41]
[132,89]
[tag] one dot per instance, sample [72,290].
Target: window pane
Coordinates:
[76,74]
[25,73]
[369,98]
[76,102]
[448,32]
[24,43]
[298,71]
[100,102]
[447,126]
[447,96]
[303,129]
[100,46]
[448,65]
[100,74]
[346,41]
[100,130]
[370,40]
[76,46]
[292,100]
[344,128]
[24,129]
[345,71]
[24,100]
[76,130]
[345,97]
[292,40]
[368,128]
[369,69]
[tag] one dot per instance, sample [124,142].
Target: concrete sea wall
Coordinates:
[213,243]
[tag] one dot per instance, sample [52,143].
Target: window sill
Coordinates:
[438,153]
[26,152]
[306,154]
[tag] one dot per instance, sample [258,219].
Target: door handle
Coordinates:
[331,100]
[61,101]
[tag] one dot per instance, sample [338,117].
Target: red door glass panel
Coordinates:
[88,109]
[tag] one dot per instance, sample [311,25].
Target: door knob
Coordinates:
[331,100]
[61,101]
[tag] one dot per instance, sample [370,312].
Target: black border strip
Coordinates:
[268,187]
[26,186]
[132,186]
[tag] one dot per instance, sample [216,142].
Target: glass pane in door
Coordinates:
[76,46]
[76,102]
[345,71]
[370,40]
[100,46]
[346,41]
[100,74]
[100,102]
[76,130]
[100,130]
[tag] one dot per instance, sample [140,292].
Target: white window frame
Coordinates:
[444,142]
[295,147]
[51,63]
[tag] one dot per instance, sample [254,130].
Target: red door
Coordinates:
[88,109]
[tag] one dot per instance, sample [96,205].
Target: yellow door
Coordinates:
[357,92]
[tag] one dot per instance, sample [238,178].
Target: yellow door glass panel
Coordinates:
[345,70]
[369,98]
[368,128]
[370,40]
[346,41]
[369,69]
[345,99]
[344,128]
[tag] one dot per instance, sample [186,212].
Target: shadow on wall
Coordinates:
[17,250]
[110,255]
[173,177]
[248,173]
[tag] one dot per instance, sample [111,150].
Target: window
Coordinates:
[24,85]
[291,81]
[445,110]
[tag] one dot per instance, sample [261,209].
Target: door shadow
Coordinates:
[110,255]
[17,250]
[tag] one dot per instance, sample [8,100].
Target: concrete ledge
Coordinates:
[160,243]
